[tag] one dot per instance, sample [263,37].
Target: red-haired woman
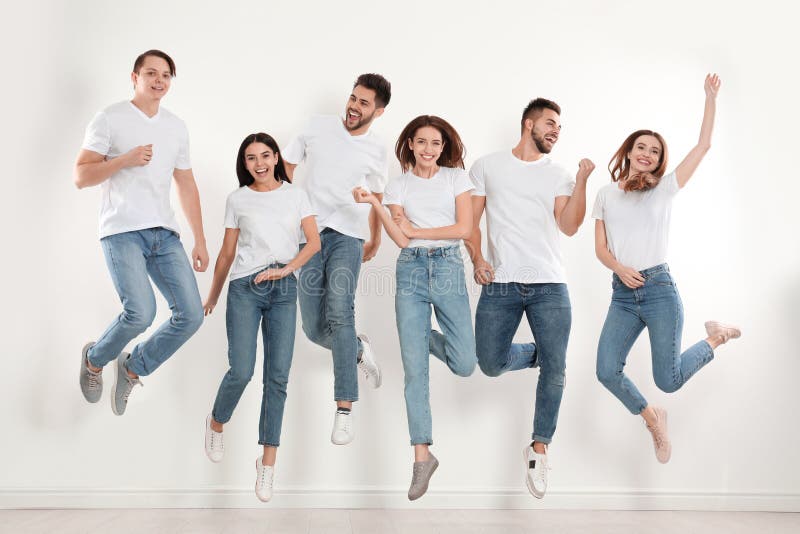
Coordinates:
[631,232]
[431,212]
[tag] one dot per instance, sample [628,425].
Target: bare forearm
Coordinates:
[574,212]
[375,223]
[305,254]
[190,203]
[707,127]
[607,258]
[221,270]
[473,244]
[95,173]
[394,231]
[454,231]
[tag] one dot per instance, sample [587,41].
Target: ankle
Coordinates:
[539,447]
[216,426]
[92,368]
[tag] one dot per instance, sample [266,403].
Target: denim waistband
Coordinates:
[650,271]
[452,250]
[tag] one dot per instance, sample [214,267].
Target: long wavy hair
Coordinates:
[453,152]
[620,164]
[245,178]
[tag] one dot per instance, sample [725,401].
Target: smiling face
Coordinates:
[545,130]
[153,79]
[645,156]
[427,146]
[260,162]
[360,110]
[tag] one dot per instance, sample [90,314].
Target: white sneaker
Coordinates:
[343,432]
[215,448]
[535,471]
[660,434]
[367,365]
[264,476]
[727,331]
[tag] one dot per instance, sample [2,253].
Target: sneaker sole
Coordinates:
[114,391]
[527,481]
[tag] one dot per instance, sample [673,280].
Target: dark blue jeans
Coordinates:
[273,305]
[549,314]
[327,306]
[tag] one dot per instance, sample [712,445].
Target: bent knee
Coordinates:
[667,386]
[489,368]
[464,369]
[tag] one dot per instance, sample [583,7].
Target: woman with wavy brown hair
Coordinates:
[431,212]
[633,214]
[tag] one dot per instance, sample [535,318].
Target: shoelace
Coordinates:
[214,440]
[94,380]
[658,438]
[263,479]
[129,387]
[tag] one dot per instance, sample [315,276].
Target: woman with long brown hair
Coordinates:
[431,212]
[631,232]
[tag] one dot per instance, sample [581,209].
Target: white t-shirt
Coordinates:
[637,223]
[338,162]
[523,233]
[136,198]
[429,202]
[269,224]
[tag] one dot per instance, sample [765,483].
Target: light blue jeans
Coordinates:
[431,277]
[273,304]
[131,257]
[549,314]
[657,306]
[327,296]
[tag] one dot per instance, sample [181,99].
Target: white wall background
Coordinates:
[249,66]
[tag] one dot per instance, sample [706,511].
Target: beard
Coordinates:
[364,120]
[540,144]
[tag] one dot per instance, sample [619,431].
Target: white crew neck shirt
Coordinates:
[637,222]
[429,202]
[136,198]
[270,227]
[523,236]
[336,163]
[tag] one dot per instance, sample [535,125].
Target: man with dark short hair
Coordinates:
[134,150]
[340,155]
[528,199]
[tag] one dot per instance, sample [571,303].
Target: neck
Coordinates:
[361,130]
[526,150]
[425,172]
[268,184]
[147,106]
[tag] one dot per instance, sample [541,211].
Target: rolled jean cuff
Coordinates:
[337,399]
[216,418]
[265,444]
[638,409]
[541,439]
[421,441]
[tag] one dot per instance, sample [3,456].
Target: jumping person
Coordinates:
[133,150]
[527,199]
[342,154]
[431,213]
[265,219]
[631,233]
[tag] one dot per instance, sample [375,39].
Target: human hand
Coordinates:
[200,257]
[585,168]
[138,156]
[483,273]
[712,85]
[630,277]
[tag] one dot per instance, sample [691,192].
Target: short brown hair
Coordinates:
[536,106]
[379,84]
[453,152]
[137,65]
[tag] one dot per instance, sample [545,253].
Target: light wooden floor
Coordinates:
[274,521]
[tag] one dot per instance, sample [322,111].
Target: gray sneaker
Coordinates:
[91,382]
[123,384]
[421,476]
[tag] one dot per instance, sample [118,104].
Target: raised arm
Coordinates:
[629,276]
[190,202]
[221,268]
[395,233]
[483,273]
[686,169]
[570,211]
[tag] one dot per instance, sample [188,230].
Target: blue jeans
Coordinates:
[656,305]
[327,306]
[131,257]
[431,277]
[549,314]
[273,304]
